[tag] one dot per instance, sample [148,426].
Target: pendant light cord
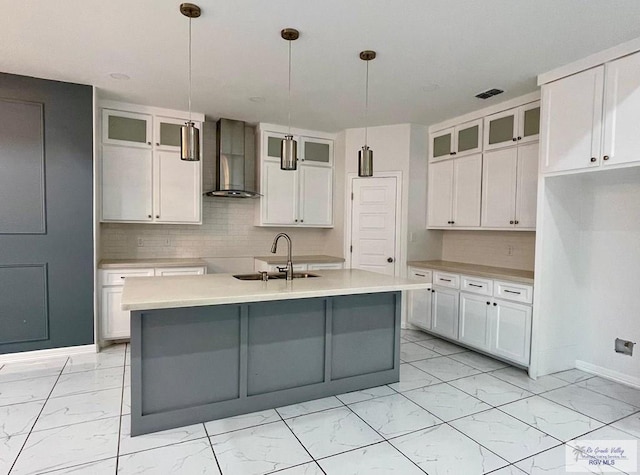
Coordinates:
[189,69]
[366,106]
[289,100]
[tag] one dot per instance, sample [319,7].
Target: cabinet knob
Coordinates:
[296,220]
[148,143]
[389,259]
[495,304]
[517,222]
[149,216]
[510,222]
[452,153]
[157,144]
[488,303]
[157,216]
[514,139]
[593,159]
[433,291]
[519,138]
[453,222]
[302,220]
[606,157]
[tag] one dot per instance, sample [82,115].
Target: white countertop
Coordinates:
[513,275]
[148,293]
[157,262]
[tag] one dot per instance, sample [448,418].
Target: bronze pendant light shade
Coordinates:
[189,133]
[288,146]
[365,156]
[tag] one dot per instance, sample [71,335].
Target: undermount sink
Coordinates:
[274,275]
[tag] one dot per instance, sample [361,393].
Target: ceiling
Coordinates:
[433,55]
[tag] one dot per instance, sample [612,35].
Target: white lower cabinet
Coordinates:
[489,315]
[259,265]
[511,331]
[114,322]
[475,328]
[444,319]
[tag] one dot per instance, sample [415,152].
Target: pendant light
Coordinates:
[288,146]
[365,156]
[189,133]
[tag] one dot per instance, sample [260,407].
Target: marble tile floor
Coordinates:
[453,412]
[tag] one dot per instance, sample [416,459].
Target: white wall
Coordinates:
[587,280]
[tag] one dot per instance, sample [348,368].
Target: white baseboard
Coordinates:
[608,374]
[50,353]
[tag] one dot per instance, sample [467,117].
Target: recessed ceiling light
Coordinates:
[119,76]
[430,87]
[257,99]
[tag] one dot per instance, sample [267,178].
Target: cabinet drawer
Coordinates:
[170,271]
[116,277]
[514,292]
[420,274]
[476,285]
[444,279]
[328,266]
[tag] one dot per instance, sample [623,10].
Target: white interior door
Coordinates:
[374,226]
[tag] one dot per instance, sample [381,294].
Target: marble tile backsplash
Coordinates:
[227,231]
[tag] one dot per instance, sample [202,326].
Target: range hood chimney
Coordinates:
[235,174]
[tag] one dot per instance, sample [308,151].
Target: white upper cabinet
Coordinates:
[463,139]
[142,177]
[622,111]
[302,197]
[518,125]
[454,192]
[130,129]
[509,187]
[572,121]
[590,119]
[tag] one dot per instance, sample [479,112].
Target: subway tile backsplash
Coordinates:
[227,231]
[490,248]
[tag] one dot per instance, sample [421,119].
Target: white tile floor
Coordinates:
[453,412]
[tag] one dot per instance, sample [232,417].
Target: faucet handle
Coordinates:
[282,269]
[265,275]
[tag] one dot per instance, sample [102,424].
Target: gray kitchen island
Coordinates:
[208,347]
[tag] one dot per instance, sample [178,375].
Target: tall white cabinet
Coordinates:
[296,198]
[142,178]
[491,182]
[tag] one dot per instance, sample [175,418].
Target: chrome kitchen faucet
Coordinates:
[274,248]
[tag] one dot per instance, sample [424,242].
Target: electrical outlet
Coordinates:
[140,242]
[624,346]
[509,250]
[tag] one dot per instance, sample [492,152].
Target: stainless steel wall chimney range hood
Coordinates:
[235,173]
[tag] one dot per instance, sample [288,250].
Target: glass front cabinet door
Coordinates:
[442,144]
[126,128]
[513,126]
[167,132]
[468,138]
[315,151]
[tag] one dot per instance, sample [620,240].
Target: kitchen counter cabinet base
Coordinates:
[196,364]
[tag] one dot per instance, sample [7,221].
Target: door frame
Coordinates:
[351,176]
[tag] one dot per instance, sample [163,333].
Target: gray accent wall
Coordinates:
[46,214]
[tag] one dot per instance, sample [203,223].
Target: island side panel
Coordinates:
[286,345]
[192,364]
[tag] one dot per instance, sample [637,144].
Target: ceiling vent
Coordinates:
[489,93]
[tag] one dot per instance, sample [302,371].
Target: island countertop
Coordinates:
[149,293]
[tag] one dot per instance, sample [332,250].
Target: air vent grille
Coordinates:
[489,93]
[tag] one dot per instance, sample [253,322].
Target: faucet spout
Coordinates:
[274,248]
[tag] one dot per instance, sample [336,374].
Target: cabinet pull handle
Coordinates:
[420,275]
[511,292]
[122,277]
[452,153]
[475,285]
[593,159]
[606,157]
[446,280]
